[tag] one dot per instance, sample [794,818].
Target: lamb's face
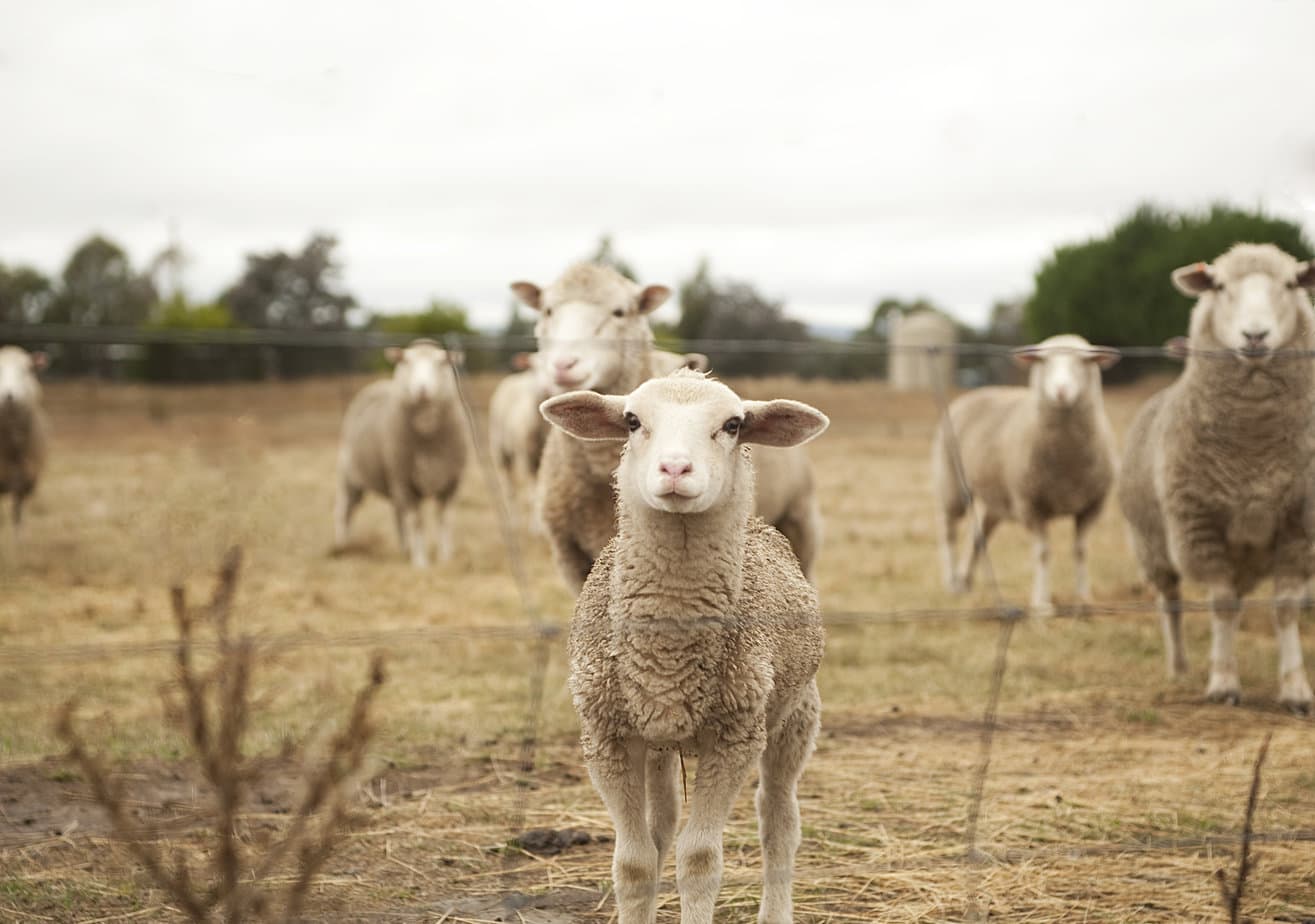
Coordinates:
[1065,369]
[683,435]
[423,370]
[584,336]
[1252,299]
[18,377]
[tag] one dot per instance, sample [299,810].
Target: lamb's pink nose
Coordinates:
[676,467]
[564,363]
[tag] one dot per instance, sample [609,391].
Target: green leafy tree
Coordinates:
[1115,289]
[195,362]
[100,287]
[696,296]
[712,310]
[25,295]
[300,291]
[435,322]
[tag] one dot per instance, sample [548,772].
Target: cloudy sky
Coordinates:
[831,153]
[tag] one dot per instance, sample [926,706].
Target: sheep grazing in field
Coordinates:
[1029,454]
[22,426]
[593,334]
[1217,474]
[696,633]
[402,438]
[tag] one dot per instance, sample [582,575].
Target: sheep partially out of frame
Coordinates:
[403,438]
[1216,482]
[23,426]
[697,633]
[1029,454]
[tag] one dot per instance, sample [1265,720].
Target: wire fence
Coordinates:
[542,635]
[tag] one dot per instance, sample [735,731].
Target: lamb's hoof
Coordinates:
[956,585]
[1228,695]
[1042,610]
[1294,693]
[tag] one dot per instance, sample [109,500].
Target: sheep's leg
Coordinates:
[410,532]
[1082,524]
[778,805]
[636,867]
[722,772]
[349,498]
[1041,604]
[1225,613]
[1171,625]
[663,799]
[947,537]
[1291,598]
[444,531]
[976,549]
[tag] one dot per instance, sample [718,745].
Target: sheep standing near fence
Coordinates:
[913,364]
[695,633]
[518,433]
[593,334]
[1217,475]
[1028,454]
[403,438]
[23,426]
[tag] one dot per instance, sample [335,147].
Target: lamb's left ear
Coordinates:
[393,355]
[1025,356]
[1306,275]
[1103,356]
[652,298]
[1194,279]
[587,415]
[781,423]
[40,361]
[456,357]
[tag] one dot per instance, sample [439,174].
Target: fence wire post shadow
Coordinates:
[1009,617]
[544,633]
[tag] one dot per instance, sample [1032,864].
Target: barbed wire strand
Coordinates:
[1008,616]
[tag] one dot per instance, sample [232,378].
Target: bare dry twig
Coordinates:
[1232,895]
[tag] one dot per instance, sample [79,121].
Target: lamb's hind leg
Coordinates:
[723,767]
[349,498]
[1291,598]
[778,805]
[618,774]
[1171,624]
[1082,524]
[946,539]
[976,546]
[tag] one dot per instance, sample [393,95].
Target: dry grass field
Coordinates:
[1113,794]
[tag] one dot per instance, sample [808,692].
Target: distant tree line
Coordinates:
[1112,289]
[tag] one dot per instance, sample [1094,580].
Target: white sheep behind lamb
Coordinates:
[1029,454]
[518,432]
[23,426]
[696,632]
[403,438]
[1216,482]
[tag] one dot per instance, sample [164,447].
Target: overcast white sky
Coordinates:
[831,153]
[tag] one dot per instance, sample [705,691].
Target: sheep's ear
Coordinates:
[456,358]
[1176,348]
[1306,275]
[697,361]
[1025,357]
[393,355]
[781,423]
[652,298]
[39,361]
[528,293]
[1103,356]
[520,361]
[1194,279]
[588,415]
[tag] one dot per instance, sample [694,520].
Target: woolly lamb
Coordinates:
[518,432]
[22,425]
[695,634]
[593,334]
[1217,474]
[402,438]
[1029,454]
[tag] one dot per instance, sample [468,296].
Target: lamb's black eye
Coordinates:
[733,425]
[547,312]
[618,312]
[632,421]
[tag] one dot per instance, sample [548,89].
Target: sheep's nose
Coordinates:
[565,363]
[675,466]
[1255,338]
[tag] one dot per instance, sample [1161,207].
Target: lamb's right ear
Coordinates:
[520,361]
[1306,275]
[39,361]
[1194,279]
[781,423]
[587,415]
[1024,357]
[393,355]
[528,293]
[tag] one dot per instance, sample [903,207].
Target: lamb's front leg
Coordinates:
[1041,603]
[778,805]
[663,799]
[617,769]
[723,767]
[1225,613]
[1082,524]
[1291,598]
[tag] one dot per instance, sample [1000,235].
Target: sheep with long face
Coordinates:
[22,426]
[1216,482]
[1031,455]
[402,438]
[696,633]
[593,334]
